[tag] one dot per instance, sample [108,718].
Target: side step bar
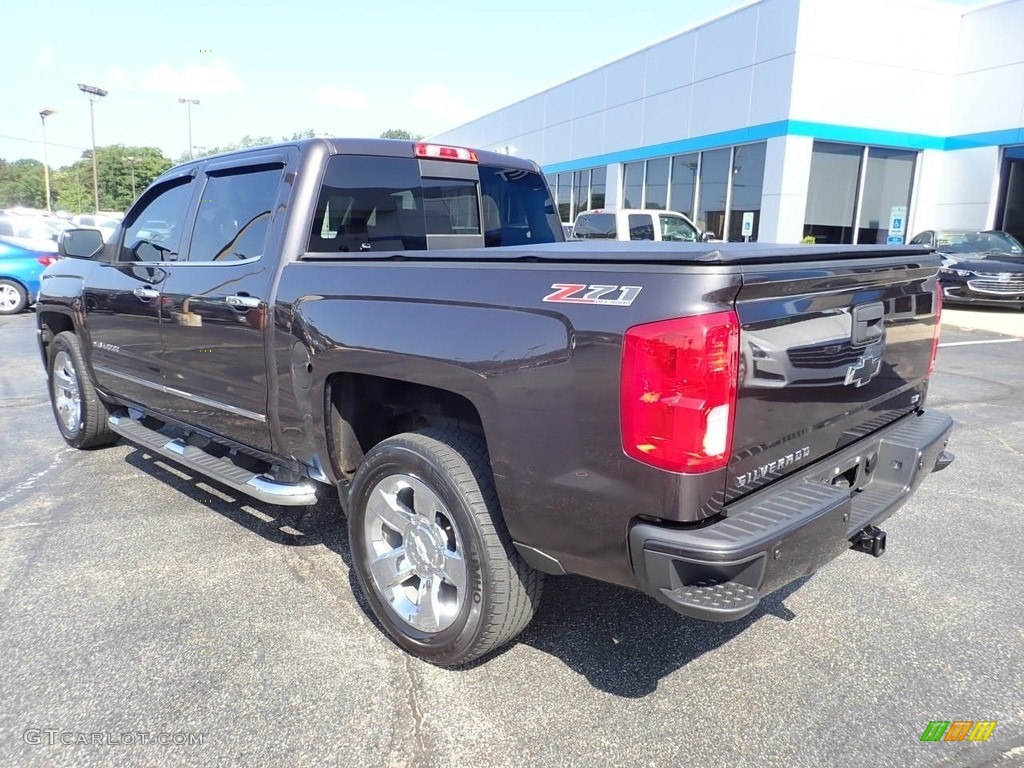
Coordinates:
[223,471]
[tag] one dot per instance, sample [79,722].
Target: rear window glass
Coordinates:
[382,203]
[599,226]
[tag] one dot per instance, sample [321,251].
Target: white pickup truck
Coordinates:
[637,224]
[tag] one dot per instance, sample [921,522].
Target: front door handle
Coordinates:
[146,293]
[242,301]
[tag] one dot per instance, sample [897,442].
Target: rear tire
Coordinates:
[431,551]
[81,415]
[13,297]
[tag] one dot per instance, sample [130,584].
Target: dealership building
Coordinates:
[853,122]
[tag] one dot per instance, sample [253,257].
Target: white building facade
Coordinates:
[849,122]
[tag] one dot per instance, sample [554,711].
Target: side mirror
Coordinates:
[707,237]
[80,243]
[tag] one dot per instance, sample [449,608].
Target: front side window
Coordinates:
[677,229]
[234,214]
[153,232]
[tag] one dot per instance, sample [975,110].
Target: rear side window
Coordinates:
[382,203]
[518,209]
[595,226]
[234,216]
[640,226]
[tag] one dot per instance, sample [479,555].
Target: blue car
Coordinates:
[20,269]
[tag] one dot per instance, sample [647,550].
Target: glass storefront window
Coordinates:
[887,186]
[714,185]
[747,182]
[582,193]
[832,192]
[564,197]
[633,185]
[598,181]
[656,184]
[684,178]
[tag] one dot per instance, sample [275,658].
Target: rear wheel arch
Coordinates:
[362,410]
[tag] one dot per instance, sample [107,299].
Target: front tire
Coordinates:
[81,415]
[431,551]
[13,297]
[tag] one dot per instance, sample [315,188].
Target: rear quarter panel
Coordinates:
[543,376]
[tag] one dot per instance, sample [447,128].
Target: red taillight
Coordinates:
[937,330]
[46,260]
[438,152]
[678,392]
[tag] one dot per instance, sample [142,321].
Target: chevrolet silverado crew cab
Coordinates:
[403,324]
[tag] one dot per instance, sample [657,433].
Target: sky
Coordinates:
[270,69]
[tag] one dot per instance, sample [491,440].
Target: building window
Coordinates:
[855,192]
[656,184]
[714,189]
[747,181]
[564,197]
[633,185]
[1010,207]
[832,192]
[598,181]
[886,192]
[684,182]
[581,194]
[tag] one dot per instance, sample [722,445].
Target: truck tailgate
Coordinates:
[828,353]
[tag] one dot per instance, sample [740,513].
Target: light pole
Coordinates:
[94,94]
[44,113]
[188,105]
[131,162]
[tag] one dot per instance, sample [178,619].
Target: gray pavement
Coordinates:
[135,598]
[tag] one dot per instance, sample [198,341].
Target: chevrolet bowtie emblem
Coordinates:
[863,371]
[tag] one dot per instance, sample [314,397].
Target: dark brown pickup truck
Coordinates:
[403,323]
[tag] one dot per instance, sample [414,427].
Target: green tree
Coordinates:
[73,184]
[21,183]
[401,133]
[247,142]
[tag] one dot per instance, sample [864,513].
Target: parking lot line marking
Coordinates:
[982,341]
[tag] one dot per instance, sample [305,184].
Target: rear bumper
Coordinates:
[720,571]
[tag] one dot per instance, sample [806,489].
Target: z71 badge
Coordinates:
[607,295]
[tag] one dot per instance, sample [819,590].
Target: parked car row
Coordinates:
[983,267]
[20,270]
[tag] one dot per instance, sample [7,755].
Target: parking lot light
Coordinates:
[95,94]
[44,113]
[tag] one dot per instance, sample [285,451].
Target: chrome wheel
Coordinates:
[10,299]
[66,393]
[415,553]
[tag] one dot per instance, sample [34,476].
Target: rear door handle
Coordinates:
[241,301]
[146,293]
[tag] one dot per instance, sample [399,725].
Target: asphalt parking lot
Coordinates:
[135,599]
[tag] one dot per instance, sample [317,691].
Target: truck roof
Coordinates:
[357,146]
